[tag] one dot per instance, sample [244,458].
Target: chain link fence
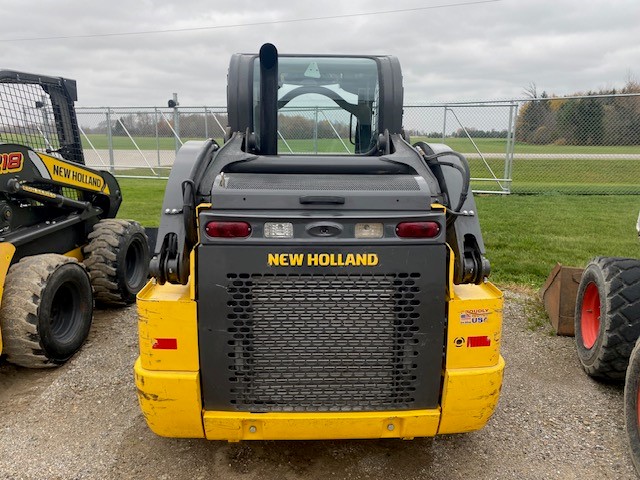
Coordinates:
[578,145]
[584,145]
[142,142]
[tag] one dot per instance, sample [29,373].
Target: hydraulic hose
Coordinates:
[466,176]
[464,169]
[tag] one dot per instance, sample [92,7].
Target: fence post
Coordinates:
[206,124]
[45,116]
[176,121]
[315,131]
[511,140]
[110,142]
[444,123]
[155,112]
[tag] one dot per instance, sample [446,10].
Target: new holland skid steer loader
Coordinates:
[318,296]
[59,241]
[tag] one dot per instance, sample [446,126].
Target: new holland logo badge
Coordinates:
[322,259]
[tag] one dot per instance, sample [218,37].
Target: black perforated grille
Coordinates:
[322,342]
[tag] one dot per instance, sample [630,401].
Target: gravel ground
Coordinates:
[82,421]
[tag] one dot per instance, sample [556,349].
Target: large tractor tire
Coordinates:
[632,405]
[46,311]
[117,258]
[607,319]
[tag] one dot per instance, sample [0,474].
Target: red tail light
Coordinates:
[228,229]
[418,229]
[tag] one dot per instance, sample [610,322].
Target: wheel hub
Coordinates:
[590,315]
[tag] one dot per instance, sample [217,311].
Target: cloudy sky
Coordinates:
[490,50]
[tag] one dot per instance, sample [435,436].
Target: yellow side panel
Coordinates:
[166,313]
[170,402]
[6,254]
[469,397]
[474,326]
[236,426]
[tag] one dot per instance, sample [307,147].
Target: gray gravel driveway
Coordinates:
[82,421]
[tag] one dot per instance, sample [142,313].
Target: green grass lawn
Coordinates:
[142,200]
[525,235]
[562,175]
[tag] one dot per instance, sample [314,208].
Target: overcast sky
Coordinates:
[482,51]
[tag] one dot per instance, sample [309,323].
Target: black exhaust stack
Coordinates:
[268,100]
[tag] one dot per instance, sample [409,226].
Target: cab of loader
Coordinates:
[343,90]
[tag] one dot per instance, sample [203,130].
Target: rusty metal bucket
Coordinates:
[559,297]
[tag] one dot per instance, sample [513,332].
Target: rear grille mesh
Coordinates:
[322,342]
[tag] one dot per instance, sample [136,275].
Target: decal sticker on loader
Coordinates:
[74,176]
[11,162]
[474,317]
[322,259]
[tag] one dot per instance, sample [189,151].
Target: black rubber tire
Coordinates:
[604,353]
[46,311]
[631,391]
[117,258]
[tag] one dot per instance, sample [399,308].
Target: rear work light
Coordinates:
[228,229]
[369,230]
[278,230]
[418,229]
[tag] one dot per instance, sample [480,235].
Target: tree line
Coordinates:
[147,124]
[590,120]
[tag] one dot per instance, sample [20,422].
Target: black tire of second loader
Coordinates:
[607,317]
[112,258]
[46,310]
[607,332]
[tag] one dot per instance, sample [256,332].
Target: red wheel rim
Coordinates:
[590,315]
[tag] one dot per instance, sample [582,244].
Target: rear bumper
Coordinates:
[172,405]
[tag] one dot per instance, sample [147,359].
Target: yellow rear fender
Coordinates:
[167,328]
